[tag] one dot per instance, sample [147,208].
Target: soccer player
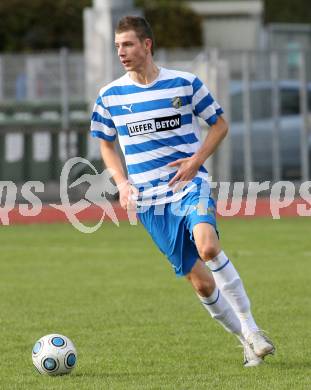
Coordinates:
[154,112]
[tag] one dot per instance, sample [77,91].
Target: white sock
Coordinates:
[222,312]
[230,284]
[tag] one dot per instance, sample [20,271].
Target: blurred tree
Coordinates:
[34,25]
[287,11]
[173,22]
[41,24]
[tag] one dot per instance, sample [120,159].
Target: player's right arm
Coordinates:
[103,127]
[113,163]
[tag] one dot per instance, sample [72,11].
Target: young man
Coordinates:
[154,112]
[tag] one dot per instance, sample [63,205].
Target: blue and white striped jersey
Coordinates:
[156,124]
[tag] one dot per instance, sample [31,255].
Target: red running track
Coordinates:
[261,208]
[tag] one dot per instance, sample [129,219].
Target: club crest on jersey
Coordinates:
[153,125]
[176,102]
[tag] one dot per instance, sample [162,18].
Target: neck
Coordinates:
[146,75]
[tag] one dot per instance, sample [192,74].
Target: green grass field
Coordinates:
[135,325]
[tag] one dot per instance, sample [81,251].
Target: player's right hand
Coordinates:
[127,195]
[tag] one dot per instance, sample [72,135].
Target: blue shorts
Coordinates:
[171,225]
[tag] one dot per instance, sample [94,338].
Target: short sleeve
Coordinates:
[203,103]
[102,125]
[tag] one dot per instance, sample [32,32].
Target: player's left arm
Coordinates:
[189,166]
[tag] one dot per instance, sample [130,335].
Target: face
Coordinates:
[131,51]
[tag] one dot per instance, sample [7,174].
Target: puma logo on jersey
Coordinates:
[128,108]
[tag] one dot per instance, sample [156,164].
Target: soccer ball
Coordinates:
[54,354]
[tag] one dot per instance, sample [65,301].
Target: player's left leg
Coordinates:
[230,284]
[218,307]
[213,301]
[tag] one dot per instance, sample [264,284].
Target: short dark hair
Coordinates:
[139,25]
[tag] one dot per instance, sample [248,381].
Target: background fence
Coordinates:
[44,117]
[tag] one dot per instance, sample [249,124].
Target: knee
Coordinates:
[208,251]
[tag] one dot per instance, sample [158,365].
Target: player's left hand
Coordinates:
[187,169]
